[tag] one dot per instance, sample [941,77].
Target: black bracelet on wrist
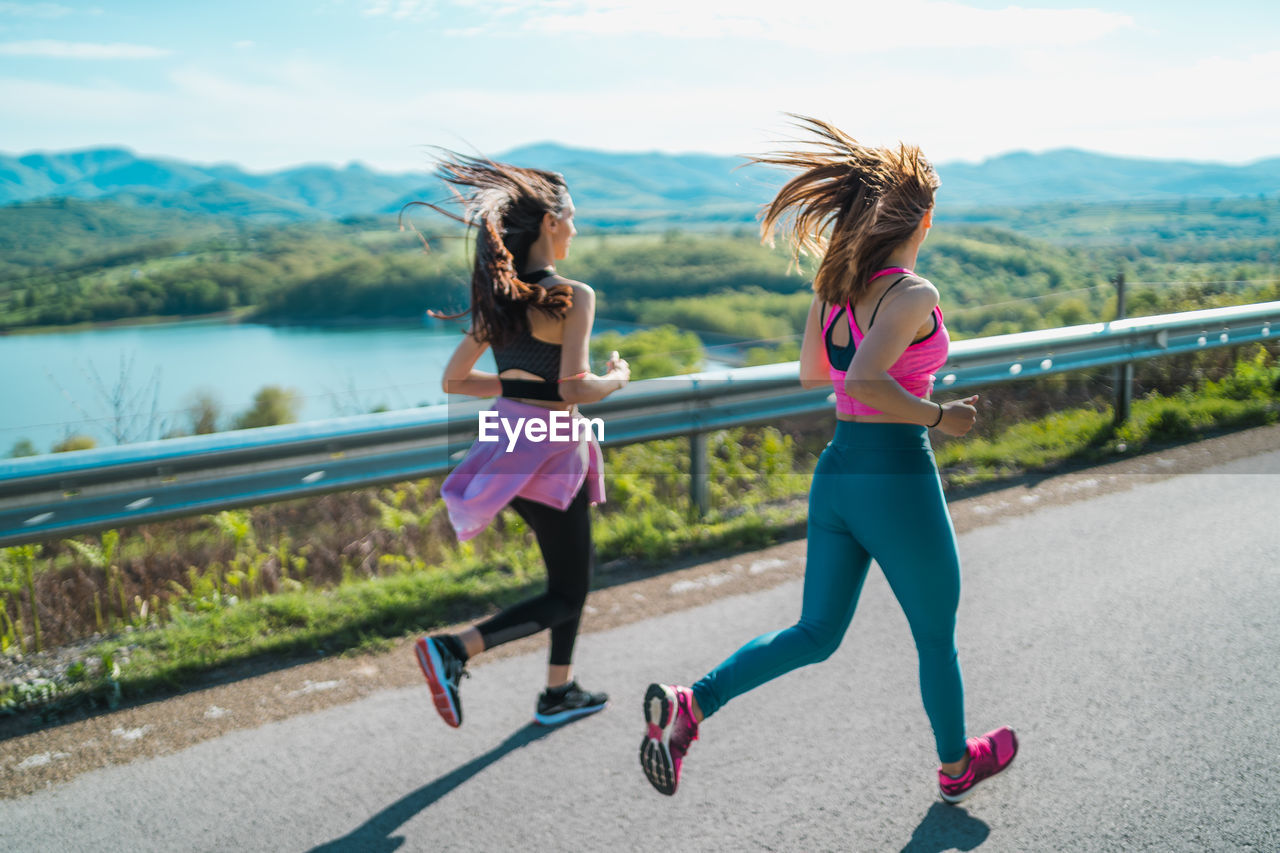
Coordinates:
[940,413]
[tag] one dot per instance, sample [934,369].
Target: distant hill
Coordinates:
[67,232]
[683,187]
[611,189]
[218,198]
[1068,174]
[119,174]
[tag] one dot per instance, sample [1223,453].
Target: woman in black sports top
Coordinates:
[539,325]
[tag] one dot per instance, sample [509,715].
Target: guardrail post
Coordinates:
[1124,372]
[699,475]
[1124,394]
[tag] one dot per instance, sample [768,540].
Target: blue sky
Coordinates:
[274,83]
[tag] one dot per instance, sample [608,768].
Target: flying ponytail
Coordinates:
[851,205]
[506,205]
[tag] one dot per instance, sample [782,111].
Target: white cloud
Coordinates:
[49,49]
[30,101]
[34,10]
[1194,110]
[397,9]
[838,26]
[296,112]
[243,44]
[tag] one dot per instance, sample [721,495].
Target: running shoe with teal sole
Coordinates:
[560,706]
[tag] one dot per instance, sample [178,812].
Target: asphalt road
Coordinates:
[1131,639]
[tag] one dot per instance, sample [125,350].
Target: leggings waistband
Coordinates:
[904,436]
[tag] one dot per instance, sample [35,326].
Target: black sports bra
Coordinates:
[840,357]
[527,353]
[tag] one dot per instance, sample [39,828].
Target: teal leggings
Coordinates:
[875,494]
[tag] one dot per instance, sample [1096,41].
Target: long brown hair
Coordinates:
[505,204]
[851,205]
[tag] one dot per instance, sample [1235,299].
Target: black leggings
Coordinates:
[565,539]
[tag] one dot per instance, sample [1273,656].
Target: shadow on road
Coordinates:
[375,833]
[947,828]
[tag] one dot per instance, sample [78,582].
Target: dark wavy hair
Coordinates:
[851,205]
[505,204]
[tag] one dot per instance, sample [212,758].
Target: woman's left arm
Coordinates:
[460,375]
[578,384]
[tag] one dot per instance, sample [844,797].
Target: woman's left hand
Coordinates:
[618,367]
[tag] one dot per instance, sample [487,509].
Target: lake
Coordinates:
[138,381]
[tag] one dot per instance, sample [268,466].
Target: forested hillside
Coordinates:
[70,261]
[622,190]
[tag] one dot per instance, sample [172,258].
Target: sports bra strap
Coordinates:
[536,275]
[848,307]
[888,271]
[876,310]
[530,389]
[831,318]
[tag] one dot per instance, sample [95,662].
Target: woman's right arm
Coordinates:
[460,375]
[578,384]
[814,366]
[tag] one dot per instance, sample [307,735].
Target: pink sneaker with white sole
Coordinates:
[988,755]
[671,727]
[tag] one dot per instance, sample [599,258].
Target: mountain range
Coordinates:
[610,189]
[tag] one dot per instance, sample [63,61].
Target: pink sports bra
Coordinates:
[914,369]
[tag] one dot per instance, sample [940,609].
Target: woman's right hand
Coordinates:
[958,416]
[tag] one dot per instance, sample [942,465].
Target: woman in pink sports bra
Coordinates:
[876,333]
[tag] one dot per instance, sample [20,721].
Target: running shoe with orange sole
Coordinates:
[443,668]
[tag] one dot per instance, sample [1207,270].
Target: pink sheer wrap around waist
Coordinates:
[546,471]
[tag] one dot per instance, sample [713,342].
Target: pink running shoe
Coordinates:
[988,755]
[668,712]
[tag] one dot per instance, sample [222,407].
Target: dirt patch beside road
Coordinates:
[249,697]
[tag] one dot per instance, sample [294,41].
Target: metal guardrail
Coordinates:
[57,495]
